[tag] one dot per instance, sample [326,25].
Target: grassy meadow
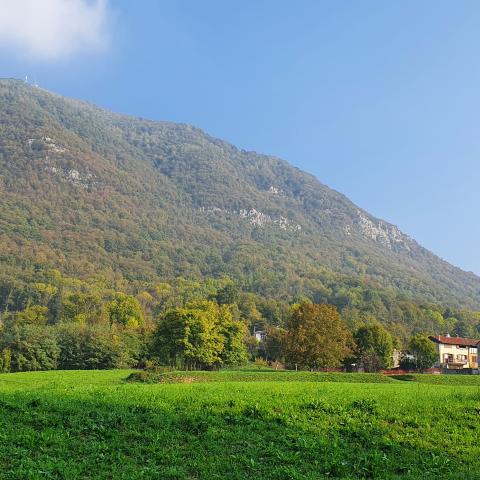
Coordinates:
[238,425]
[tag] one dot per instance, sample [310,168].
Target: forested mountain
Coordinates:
[135,202]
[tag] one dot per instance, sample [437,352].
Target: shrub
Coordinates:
[83,347]
[29,347]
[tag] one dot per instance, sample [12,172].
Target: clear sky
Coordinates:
[379,99]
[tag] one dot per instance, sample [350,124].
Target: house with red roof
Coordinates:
[455,353]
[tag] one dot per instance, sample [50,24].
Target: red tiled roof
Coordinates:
[470,342]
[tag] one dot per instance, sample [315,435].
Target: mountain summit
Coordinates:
[90,192]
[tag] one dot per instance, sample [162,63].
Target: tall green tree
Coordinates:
[86,347]
[29,347]
[423,351]
[5,360]
[374,348]
[317,337]
[125,310]
[233,332]
[190,337]
[272,346]
[464,329]
[201,335]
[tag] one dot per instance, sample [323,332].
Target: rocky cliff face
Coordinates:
[382,232]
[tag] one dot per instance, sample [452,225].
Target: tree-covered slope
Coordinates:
[90,192]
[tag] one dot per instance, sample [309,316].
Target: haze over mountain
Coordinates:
[92,192]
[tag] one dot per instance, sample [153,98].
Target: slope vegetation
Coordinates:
[90,192]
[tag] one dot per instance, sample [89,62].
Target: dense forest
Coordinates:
[52,321]
[109,222]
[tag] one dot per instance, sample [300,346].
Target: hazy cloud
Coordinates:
[53,29]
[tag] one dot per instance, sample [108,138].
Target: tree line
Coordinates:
[72,324]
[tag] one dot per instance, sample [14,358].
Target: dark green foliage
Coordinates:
[465,328]
[374,348]
[5,360]
[227,295]
[86,348]
[423,351]
[272,347]
[27,346]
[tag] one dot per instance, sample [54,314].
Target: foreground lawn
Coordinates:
[95,425]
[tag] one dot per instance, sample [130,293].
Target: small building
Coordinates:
[260,335]
[396,358]
[455,353]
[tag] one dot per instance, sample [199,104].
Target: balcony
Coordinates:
[451,363]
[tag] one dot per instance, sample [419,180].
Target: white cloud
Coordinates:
[53,29]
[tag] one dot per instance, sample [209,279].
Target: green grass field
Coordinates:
[238,425]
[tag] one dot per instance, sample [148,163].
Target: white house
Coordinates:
[260,335]
[455,353]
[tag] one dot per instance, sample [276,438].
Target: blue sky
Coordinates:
[380,100]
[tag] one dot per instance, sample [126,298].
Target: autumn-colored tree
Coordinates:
[317,337]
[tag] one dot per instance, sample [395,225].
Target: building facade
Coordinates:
[455,353]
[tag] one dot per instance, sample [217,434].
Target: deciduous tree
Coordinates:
[125,310]
[190,337]
[201,335]
[423,351]
[374,348]
[317,337]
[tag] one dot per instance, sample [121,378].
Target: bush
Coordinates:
[28,347]
[90,348]
[5,360]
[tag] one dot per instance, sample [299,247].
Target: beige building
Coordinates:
[455,353]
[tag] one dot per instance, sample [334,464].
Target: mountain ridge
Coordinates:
[148,200]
